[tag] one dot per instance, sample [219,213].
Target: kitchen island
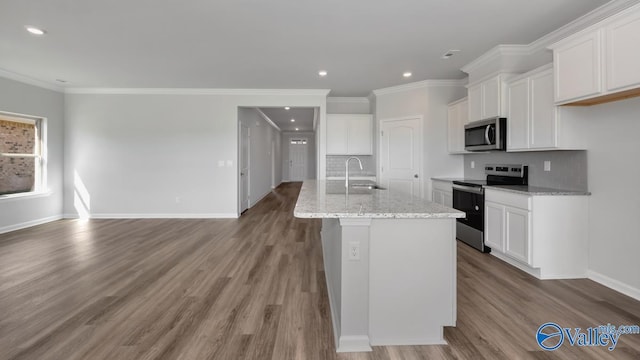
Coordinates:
[389,261]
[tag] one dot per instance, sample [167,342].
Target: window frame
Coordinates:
[40,154]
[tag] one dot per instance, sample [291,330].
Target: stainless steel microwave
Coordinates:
[487,134]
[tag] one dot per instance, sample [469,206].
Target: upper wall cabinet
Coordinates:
[457,118]
[349,134]
[487,98]
[599,64]
[534,122]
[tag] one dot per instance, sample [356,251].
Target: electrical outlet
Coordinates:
[220,163]
[178,199]
[473,164]
[229,163]
[547,165]
[354,250]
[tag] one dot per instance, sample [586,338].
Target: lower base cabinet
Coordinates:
[442,192]
[542,235]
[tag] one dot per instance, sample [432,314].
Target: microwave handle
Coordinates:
[486,135]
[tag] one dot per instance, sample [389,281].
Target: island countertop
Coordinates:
[327,199]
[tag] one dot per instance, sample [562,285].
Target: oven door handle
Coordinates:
[470,189]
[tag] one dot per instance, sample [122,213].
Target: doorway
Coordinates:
[244,166]
[401,155]
[298,159]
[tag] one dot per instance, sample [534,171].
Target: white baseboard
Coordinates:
[614,284]
[26,224]
[157,216]
[405,342]
[529,270]
[353,344]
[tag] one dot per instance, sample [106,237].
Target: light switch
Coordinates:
[220,163]
[547,165]
[229,163]
[473,164]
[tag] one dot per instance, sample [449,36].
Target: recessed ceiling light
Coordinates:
[293,120]
[407,74]
[297,129]
[287,108]
[35,31]
[322,73]
[449,53]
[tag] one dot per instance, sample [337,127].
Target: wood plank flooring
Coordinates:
[252,288]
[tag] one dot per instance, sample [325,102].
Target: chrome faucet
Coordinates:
[346,168]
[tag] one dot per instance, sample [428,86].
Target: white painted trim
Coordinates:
[25,196]
[614,284]
[332,306]
[411,342]
[27,224]
[420,85]
[494,55]
[351,100]
[268,119]
[355,221]
[529,270]
[253,203]
[157,216]
[353,344]
[30,81]
[192,91]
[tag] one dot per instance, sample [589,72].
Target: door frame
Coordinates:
[420,119]
[239,168]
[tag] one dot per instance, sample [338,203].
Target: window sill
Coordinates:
[28,195]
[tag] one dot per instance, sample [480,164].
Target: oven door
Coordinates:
[470,200]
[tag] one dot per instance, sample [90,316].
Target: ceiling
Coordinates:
[256,44]
[280,116]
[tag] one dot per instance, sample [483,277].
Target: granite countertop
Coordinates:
[536,190]
[328,199]
[524,189]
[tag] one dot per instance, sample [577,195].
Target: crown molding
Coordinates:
[197,91]
[420,85]
[351,100]
[268,119]
[590,19]
[495,54]
[30,81]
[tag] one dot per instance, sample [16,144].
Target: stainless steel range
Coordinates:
[468,196]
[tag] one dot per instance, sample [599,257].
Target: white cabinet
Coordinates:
[349,134]
[578,68]
[487,98]
[622,38]
[494,226]
[457,117]
[442,192]
[543,235]
[534,122]
[600,63]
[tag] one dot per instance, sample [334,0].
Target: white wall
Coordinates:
[135,153]
[430,102]
[26,99]
[348,105]
[614,206]
[261,166]
[311,153]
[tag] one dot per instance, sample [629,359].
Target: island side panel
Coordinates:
[331,235]
[412,280]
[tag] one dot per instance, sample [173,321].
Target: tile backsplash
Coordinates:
[568,168]
[335,166]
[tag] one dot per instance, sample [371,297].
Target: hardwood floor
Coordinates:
[252,288]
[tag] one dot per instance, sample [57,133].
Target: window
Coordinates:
[21,154]
[299,141]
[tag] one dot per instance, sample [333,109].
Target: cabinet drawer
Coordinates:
[509,199]
[445,186]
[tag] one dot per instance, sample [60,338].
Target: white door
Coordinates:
[400,150]
[244,167]
[298,159]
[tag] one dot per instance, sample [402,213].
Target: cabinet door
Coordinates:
[578,68]
[359,135]
[447,199]
[494,226]
[518,115]
[336,135]
[463,119]
[437,197]
[453,128]
[543,118]
[517,234]
[623,52]
[492,97]
[475,103]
